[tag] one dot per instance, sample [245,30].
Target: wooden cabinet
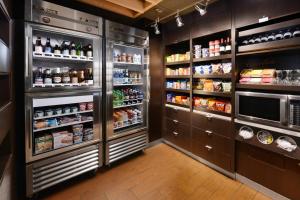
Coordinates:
[263,167]
[177,114]
[177,133]
[250,11]
[292,179]
[213,148]
[217,18]
[213,124]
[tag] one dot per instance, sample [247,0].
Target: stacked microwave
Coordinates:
[63,93]
[274,109]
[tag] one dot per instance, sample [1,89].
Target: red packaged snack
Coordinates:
[220,106]
[211,104]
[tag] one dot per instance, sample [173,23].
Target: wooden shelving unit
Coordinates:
[212,111]
[222,57]
[178,63]
[177,76]
[213,76]
[217,94]
[177,90]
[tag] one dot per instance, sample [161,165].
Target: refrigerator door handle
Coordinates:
[30,128]
[26,56]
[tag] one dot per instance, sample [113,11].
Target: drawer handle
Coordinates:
[175,121]
[175,133]
[299,164]
[208,147]
[209,117]
[209,133]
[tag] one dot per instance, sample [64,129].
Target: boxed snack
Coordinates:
[197,102]
[226,86]
[77,133]
[228,107]
[270,73]
[207,69]
[208,86]
[217,68]
[217,86]
[211,104]
[62,139]
[88,134]
[220,106]
[226,67]
[203,102]
[43,143]
[199,84]
[245,73]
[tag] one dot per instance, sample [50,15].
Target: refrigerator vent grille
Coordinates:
[53,173]
[126,147]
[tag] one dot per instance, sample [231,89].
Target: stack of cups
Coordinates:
[197,49]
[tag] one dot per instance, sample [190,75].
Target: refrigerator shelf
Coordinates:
[65,114]
[51,56]
[126,63]
[136,123]
[61,85]
[129,105]
[62,125]
[133,84]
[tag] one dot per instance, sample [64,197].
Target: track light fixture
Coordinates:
[156,27]
[179,20]
[201,8]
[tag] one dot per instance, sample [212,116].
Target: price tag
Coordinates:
[263,19]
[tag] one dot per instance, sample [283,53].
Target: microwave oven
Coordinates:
[262,107]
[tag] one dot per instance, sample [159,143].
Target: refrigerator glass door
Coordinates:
[61,122]
[127,86]
[59,59]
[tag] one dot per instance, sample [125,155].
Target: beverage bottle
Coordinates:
[48,47]
[47,77]
[89,52]
[56,78]
[57,50]
[38,45]
[228,46]
[89,76]
[65,49]
[73,49]
[66,75]
[79,50]
[38,76]
[222,47]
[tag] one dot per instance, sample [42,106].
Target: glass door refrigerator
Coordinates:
[127,91]
[63,94]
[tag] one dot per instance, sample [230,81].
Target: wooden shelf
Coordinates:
[268,28]
[176,104]
[269,47]
[178,63]
[177,90]
[213,111]
[178,76]
[220,76]
[222,57]
[219,94]
[291,88]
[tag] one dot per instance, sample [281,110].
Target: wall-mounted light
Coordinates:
[201,8]
[156,27]
[179,20]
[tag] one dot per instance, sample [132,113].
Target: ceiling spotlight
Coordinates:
[201,8]
[179,20]
[156,27]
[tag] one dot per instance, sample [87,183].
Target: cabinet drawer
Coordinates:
[214,148]
[182,116]
[178,135]
[292,179]
[213,124]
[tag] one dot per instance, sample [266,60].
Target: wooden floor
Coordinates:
[160,173]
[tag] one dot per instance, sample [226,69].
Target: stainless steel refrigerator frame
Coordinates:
[47,169]
[122,35]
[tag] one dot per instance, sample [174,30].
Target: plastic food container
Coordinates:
[58,111]
[39,113]
[82,106]
[74,109]
[67,110]
[265,137]
[286,143]
[49,112]
[246,132]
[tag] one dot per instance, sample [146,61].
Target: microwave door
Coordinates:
[260,107]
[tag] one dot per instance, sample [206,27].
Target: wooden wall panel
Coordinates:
[156,87]
[250,11]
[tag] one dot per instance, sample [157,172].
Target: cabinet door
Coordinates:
[292,179]
[173,34]
[263,167]
[217,18]
[250,11]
